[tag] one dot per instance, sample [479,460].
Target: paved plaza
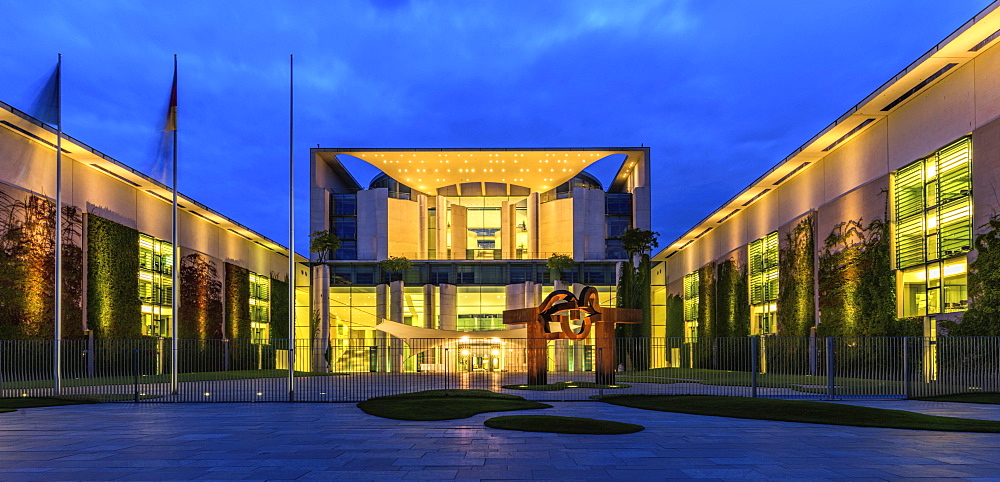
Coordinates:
[155,441]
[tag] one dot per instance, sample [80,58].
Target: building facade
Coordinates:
[867,228]
[117,256]
[479,226]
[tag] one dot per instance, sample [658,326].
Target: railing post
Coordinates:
[753,365]
[907,388]
[830,372]
[135,373]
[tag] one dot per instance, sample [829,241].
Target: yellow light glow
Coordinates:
[465,352]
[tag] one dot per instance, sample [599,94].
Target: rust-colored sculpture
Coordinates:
[563,307]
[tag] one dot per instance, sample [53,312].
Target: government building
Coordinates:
[479,226]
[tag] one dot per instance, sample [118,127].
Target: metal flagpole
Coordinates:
[174,269]
[57,352]
[291,229]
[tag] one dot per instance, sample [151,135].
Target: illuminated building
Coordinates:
[479,226]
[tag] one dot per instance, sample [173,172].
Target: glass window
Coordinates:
[520,274]
[343,204]
[617,225]
[345,228]
[618,203]
[763,272]
[440,274]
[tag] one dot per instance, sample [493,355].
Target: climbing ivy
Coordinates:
[857,286]
[983,316]
[633,291]
[796,304]
[200,299]
[675,316]
[707,325]
[733,303]
[113,305]
[237,301]
[279,313]
[27,268]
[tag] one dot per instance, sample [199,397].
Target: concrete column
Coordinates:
[441,207]
[506,228]
[422,228]
[321,330]
[396,293]
[381,313]
[561,355]
[430,306]
[449,307]
[578,355]
[533,252]
[459,231]
[561,285]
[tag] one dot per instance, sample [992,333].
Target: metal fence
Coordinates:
[354,370]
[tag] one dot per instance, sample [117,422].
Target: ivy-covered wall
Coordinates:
[857,287]
[27,267]
[237,302]
[279,311]
[113,305]
[796,301]
[675,316]
[200,303]
[707,325]
[733,299]
[983,316]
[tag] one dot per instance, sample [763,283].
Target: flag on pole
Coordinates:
[160,170]
[46,103]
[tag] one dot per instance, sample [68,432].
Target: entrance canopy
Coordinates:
[441,337]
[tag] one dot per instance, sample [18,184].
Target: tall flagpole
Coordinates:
[291,229]
[174,269]
[57,351]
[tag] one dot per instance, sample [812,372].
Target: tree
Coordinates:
[559,263]
[323,243]
[639,241]
[395,266]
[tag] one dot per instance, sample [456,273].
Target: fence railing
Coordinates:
[356,369]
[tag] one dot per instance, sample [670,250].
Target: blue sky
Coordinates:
[719,90]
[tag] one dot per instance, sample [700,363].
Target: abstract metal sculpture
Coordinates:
[564,307]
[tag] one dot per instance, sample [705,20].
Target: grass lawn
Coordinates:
[165,378]
[12,404]
[801,411]
[556,424]
[444,404]
[991,398]
[564,386]
[801,383]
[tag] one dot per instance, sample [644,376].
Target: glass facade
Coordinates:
[763,274]
[156,266]
[260,308]
[691,282]
[932,221]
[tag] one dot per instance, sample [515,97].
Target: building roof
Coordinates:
[539,169]
[25,125]
[946,57]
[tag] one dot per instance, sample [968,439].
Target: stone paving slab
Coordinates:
[337,441]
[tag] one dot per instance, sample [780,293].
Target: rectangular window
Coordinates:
[260,307]
[156,265]
[763,274]
[691,282]
[932,230]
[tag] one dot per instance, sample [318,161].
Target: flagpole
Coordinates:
[57,352]
[173,240]
[291,229]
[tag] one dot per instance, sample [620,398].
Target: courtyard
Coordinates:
[338,441]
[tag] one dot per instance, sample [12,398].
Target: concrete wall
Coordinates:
[555,228]
[373,226]
[589,224]
[403,228]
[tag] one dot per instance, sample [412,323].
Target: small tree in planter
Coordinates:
[633,292]
[558,264]
[395,267]
[323,243]
[639,242]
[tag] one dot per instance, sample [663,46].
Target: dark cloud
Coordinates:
[719,90]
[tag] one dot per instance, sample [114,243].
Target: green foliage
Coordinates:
[983,316]
[857,286]
[675,316]
[707,325]
[27,268]
[323,243]
[633,291]
[200,306]
[237,300]
[279,313]
[733,304]
[558,264]
[113,305]
[638,241]
[796,303]
[395,266]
